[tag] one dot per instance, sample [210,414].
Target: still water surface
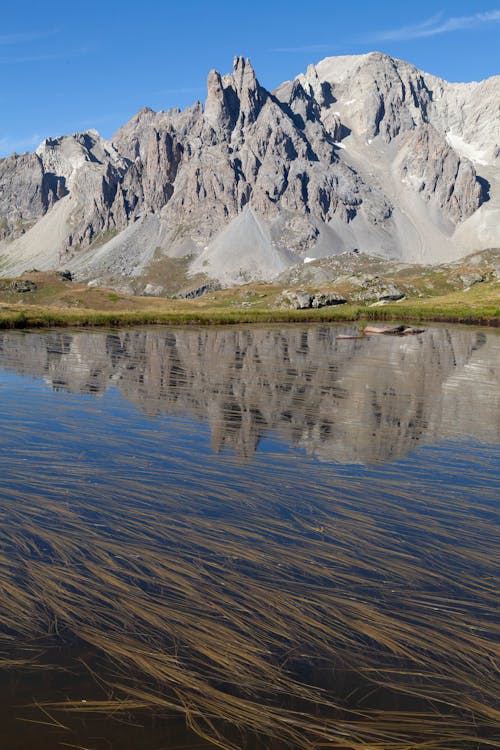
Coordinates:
[262,537]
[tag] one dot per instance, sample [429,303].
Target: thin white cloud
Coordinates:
[436,25]
[25,36]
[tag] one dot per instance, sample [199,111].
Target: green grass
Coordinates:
[171,274]
[410,312]
[103,237]
[58,303]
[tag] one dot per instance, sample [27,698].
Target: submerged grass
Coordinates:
[336,621]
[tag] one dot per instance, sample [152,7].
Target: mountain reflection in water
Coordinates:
[349,401]
[157,595]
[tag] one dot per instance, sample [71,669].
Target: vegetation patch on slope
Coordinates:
[467,291]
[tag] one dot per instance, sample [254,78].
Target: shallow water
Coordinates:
[271,535]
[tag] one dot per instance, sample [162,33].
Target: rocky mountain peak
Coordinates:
[235,100]
[243,73]
[359,152]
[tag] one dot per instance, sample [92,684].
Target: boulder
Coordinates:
[301,300]
[391,297]
[23,286]
[326,299]
[298,300]
[471,278]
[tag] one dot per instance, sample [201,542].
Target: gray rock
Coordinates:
[23,286]
[326,299]
[298,300]
[198,291]
[391,296]
[471,278]
[303,300]
[27,191]
[153,290]
[296,160]
[431,166]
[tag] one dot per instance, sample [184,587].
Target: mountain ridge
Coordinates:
[361,151]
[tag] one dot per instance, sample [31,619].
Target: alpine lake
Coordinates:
[249,537]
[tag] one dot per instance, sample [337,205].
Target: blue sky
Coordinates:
[68,66]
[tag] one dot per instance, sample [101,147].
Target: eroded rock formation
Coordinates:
[363,151]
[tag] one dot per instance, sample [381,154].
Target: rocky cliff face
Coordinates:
[360,151]
[28,190]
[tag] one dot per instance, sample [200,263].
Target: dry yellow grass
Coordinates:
[61,303]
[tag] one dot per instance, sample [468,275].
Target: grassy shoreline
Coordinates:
[412,312]
[54,302]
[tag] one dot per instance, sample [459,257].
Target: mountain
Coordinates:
[361,152]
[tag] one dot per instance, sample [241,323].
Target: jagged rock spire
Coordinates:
[236,99]
[251,95]
[279,171]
